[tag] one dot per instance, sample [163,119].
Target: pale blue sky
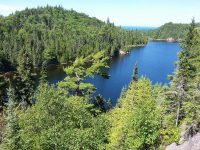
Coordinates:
[121,12]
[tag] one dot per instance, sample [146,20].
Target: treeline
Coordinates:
[56,35]
[176,31]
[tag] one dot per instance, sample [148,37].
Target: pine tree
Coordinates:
[12,138]
[99,105]
[43,73]
[191,106]
[122,96]
[79,70]
[24,83]
[190,36]
[135,73]
[2,92]
[183,74]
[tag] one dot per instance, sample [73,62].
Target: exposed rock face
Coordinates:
[122,53]
[170,39]
[192,144]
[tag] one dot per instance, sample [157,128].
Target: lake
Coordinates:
[139,28]
[156,61]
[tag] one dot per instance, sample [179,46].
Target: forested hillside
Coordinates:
[56,35]
[176,31]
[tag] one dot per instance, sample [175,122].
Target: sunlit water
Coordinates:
[155,61]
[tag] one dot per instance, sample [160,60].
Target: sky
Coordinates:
[151,13]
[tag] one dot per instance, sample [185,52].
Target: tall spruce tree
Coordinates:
[135,73]
[2,92]
[11,138]
[43,73]
[24,83]
[190,35]
[183,73]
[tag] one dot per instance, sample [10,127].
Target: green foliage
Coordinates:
[3,85]
[58,122]
[100,105]
[192,105]
[170,135]
[182,101]
[122,96]
[23,81]
[176,31]
[136,124]
[43,73]
[81,69]
[190,35]
[135,73]
[59,36]
[11,137]
[180,83]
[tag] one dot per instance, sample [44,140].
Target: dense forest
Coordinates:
[176,31]
[56,35]
[67,116]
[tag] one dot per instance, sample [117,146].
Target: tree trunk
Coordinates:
[177,113]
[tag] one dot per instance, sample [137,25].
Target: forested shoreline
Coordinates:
[39,116]
[172,32]
[56,35]
[152,117]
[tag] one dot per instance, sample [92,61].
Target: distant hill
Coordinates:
[168,30]
[171,30]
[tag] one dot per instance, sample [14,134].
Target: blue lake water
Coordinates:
[155,61]
[139,28]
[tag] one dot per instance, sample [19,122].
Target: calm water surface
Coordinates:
[155,61]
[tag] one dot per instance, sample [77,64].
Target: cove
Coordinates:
[155,61]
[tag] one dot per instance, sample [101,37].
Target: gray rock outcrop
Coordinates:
[192,144]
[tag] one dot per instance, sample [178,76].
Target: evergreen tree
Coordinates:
[122,96]
[181,119]
[183,74]
[24,83]
[191,106]
[135,73]
[43,73]
[99,105]
[3,86]
[12,136]
[190,35]
[79,70]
